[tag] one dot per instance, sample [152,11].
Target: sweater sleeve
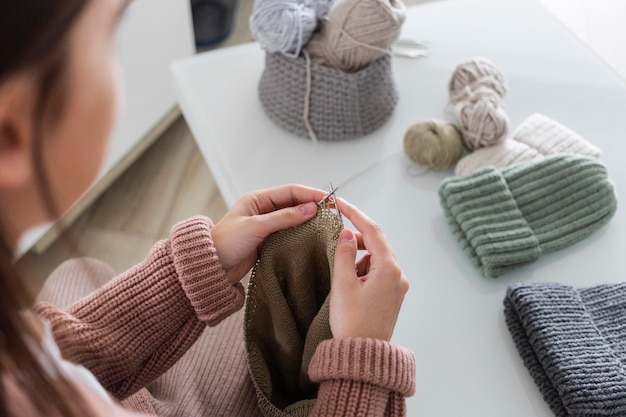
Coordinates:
[136,327]
[361,377]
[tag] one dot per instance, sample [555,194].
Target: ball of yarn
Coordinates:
[283,26]
[477,87]
[473,74]
[357,33]
[321,7]
[433,143]
[483,121]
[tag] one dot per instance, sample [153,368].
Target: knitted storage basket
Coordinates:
[341,105]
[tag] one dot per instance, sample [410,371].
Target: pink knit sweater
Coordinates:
[133,329]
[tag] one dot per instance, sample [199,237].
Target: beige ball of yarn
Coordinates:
[483,121]
[473,74]
[357,33]
[433,143]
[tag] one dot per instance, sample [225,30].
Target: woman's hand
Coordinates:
[239,235]
[365,297]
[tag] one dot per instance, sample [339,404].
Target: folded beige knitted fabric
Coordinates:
[535,138]
[286,313]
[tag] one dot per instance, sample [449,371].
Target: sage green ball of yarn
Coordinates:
[433,143]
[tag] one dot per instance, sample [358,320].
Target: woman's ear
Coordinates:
[17,98]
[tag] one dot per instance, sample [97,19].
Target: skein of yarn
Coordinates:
[322,7]
[473,74]
[435,144]
[357,33]
[476,89]
[483,121]
[285,26]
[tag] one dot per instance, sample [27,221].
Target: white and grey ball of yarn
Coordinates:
[435,144]
[284,26]
[321,7]
[475,73]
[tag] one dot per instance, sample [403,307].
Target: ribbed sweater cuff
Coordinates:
[485,219]
[200,272]
[365,360]
[572,342]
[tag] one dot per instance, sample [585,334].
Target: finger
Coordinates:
[283,218]
[276,198]
[363,266]
[359,240]
[373,238]
[345,257]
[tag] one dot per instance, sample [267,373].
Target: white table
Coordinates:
[452,317]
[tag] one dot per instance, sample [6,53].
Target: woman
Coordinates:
[58,101]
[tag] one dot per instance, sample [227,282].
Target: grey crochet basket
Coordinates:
[341,105]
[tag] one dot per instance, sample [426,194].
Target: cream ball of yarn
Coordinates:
[483,121]
[435,144]
[475,73]
[283,26]
[357,33]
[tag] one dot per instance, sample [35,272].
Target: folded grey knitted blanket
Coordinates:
[573,342]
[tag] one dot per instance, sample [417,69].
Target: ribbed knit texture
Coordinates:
[286,313]
[167,300]
[211,378]
[535,138]
[357,369]
[507,219]
[341,105]
[572,342]
[75,279]
[211,375]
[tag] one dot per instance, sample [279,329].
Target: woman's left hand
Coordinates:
[238,236]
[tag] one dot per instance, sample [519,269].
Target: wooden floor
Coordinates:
[171,181]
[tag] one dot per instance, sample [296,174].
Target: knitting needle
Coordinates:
[329,194]
[405,53]
[410,48]
[412,42]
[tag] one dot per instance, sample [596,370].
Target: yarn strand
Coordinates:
[307,98]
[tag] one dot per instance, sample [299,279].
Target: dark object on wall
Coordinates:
[213,21]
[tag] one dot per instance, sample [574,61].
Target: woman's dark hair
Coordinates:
[34,38]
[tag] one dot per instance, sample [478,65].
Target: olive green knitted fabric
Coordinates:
[286,313]
[508,218]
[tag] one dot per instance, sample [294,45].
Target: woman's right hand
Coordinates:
[365,297]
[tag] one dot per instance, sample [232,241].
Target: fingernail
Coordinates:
[307,209]
[346,235]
